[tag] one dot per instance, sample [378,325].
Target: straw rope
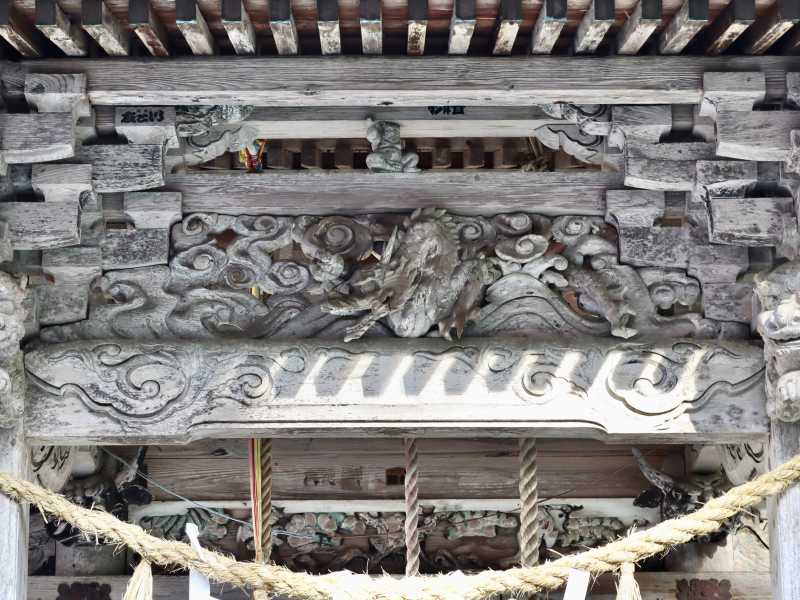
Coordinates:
[529,537]
[412,507]
[278,580]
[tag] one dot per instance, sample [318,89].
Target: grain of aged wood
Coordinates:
[370,17]
[783,514]
[639,26]
[104,28]
[551,20]
[436,81]
[417,27]
[771,26]
[685,24]
[147,27]
[339,192]
[16,30]
[124,168]
[237,23]
[87,392]
[729,25]
[37,137]
[462,26]
[507,26]
[192,24]
[594,26]
[756,135]
[56,26]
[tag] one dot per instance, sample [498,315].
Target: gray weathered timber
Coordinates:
[40,225]
[510,19]
[284,31]
[417,27]
[147,27]
[729,25]
[55,25]
[639,26]
[783,515]
[594,26]
[172,392]
[768,29]
[387,81]
[16,30]
[685,24]
[330,38]
[192,24]
[107,31]
[124,168]
[462,26]
[370,18]
[756,135]
[354,192]
[37,137]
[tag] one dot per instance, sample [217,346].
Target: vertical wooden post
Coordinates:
[14,457]
[783,514]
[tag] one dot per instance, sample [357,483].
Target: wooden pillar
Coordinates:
[783,514]
[14,456]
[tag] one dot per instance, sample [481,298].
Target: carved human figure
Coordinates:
[778,294]
[387,154]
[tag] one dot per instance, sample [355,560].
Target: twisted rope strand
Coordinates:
[528,536]
[265,463]
[412,508]
[524,580]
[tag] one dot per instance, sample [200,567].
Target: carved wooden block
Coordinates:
[594,26]
[729,25]
[724,178]
[755,222]
[645,123]
[756,135]
[724,92]
[683,26]
[40,225]
[330,39]
[36,137]
[72,270]
[104,28]
[666,167]
[192,24]
[728,301]
[147,27]
[58,94]
[551,20]
[639,26]
[55,25]
[462,26]
[15,29]
[237,23]
[491,386]
[510,19]
[62,183]
[123,168]
[147,125]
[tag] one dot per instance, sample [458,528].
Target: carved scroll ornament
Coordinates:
[179,391]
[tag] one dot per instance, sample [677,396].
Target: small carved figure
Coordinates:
[387,154]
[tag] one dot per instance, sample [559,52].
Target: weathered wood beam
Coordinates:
[729,25]
[284,31]
[770,27]
[507,26]
[56,26]
[147,27]
[462,26]
[756,135]
[342,192]
[330,37]
[417,27]
[15,29]
[390,387]
[683,26]
[37,137]
[551,20]
[192,24]
[639,26]
[237,23]
[104,28]
[653,586]
[371,20]
[783,515]
[436,81]
[594,26]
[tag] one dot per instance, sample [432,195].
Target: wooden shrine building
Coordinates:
[412,287]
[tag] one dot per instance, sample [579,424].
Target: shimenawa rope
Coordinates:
[525,580]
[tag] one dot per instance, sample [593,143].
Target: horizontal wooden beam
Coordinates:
[173,392]
[653,586]
[356,192]
[387,81]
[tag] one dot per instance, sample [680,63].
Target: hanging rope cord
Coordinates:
[529,537]
[412,507]
[526,580]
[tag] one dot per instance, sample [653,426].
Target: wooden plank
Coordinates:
[417,27]
[462,26]
[507,26]
[339,192]
[639,26]
[783,515]
[683,26]
[728,26]
[770,27]
[15,29]
[330,38]
[392,387]
[284,31]
[104,28]
[37,137]
[436,81]
[343,469]
[56,26]
[756,135]
[237,23]
[192,24]
[594,26]
[371,19]
[551,20]
[654,586]
[147,27]
[41,225]
[124,168]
